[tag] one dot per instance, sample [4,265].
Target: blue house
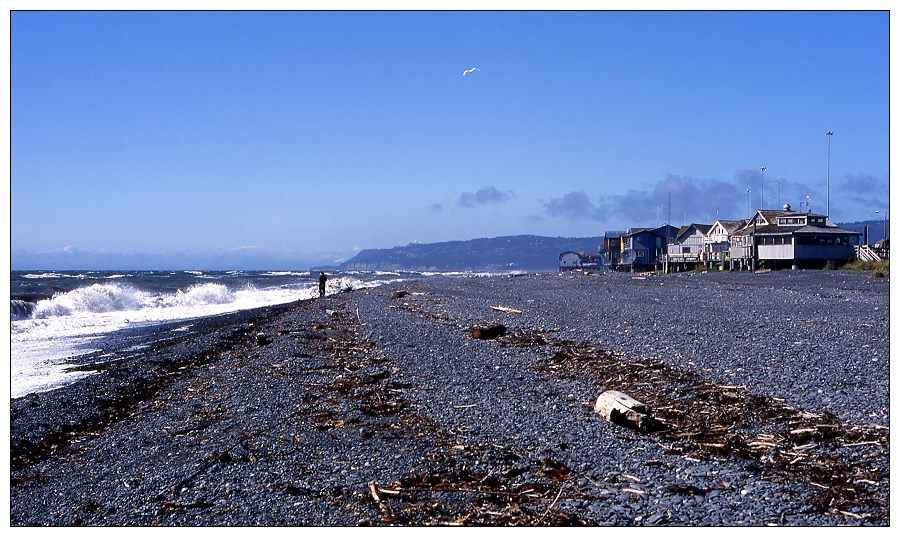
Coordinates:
[643,248]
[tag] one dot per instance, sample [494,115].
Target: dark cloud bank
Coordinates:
[705,200]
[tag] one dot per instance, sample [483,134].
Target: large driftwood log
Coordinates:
[505,309]
[622,409]
[488,332]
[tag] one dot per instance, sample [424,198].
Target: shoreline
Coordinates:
[293,428]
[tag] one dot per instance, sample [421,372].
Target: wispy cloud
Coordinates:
[575,206]
[485,196]
[699,198]
[865,190]
[437,207]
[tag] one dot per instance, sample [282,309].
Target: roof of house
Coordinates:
[661,231]
[732,225]
[702,228]
[583,255]
[771,216]
[790,230]
[613,234]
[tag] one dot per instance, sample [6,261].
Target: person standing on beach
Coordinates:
[322,280]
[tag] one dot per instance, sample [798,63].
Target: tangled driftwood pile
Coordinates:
[705,419]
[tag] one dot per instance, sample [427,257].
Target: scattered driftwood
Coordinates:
[263,339]
[399,294]
[522,495]
[488,332]
[505,309]
[527,338]
[622,409]
[704,420]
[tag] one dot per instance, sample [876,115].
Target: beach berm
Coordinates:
[377,407]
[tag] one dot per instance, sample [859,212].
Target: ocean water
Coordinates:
[58,315]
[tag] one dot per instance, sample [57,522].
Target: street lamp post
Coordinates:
[884,226]
[748,204]
[762,188]
[829,134]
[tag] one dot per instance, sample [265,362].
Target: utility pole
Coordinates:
[669,218]
[753,248]
[829,134]
[748,204]
[762,188]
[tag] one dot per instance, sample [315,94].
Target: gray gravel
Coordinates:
[211,428]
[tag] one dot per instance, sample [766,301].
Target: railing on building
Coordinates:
[871,253]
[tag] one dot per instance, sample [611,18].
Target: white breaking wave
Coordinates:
[51,275]
[97,298]
[110,297]
[198,295]
[66,324]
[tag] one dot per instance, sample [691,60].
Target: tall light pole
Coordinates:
[748,204]
[762,188]
[829,134]
[884,226]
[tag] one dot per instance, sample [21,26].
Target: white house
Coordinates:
[716,243]
[577,260]
[789,238]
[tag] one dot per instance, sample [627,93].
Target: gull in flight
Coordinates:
[467,71]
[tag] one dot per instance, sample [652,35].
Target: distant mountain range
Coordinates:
[518,252]
[876,229]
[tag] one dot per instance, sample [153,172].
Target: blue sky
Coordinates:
[285,139]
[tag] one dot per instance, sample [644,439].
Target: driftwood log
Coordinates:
[488,332]
[622,409]
[263,339]
[505,309]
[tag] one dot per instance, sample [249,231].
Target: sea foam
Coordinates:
[67,324]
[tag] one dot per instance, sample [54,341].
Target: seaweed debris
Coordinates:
[843,461]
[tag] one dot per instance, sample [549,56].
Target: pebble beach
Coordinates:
[377,407]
